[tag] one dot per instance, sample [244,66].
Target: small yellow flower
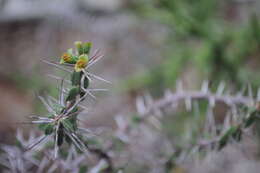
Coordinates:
[81,63]
[66,58]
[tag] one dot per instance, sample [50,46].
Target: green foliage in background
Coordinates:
[204,36]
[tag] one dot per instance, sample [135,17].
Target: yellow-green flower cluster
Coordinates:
[81,63]
[66,58]
[79,59]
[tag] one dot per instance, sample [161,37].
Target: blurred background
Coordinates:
[148,46]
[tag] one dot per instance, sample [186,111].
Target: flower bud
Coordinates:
[81,63]
[86,47]
[66,58]
[79,47]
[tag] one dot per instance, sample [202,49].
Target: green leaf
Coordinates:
[74,110]
[72,94]
[86,47]
[75,58]
[75,78]
[68,124]
[57,108]
[224,139]
[79,47]
[42,126]
[49,128]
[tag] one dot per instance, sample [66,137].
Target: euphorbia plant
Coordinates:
[61,121]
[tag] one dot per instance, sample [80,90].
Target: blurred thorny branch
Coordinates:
[242,113]
[239,121]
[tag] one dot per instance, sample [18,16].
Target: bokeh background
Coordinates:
[148,46]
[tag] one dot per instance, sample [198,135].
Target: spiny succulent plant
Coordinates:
[61,121]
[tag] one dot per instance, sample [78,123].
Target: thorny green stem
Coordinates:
[62,122]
